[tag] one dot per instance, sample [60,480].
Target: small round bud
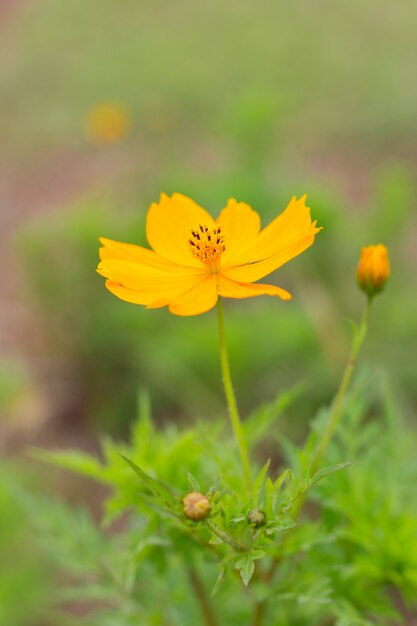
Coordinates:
[373,269]
[196,506]
[256,518]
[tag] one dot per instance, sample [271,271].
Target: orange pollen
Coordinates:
[207,246]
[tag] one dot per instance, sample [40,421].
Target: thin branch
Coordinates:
[200,593]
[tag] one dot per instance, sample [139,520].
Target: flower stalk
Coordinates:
[230,397]
[334,416]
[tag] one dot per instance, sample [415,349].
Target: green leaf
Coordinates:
[219,582]
[259,482]
[246,565]
[280,524]
[279,481]
[246,568]
[215,486]
[150,541]
[142,429]
[224,537]
[277,487]
[261,420]
[155,486]
[75,461]
[269,497]
[322,473]
[194,485]
[144,407]
[353,325]
[163,510]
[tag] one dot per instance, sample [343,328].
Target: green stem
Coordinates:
[258,615]
[225,538]
[201,596]
[230,397]
[334,416]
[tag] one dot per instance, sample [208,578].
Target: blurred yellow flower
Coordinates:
[373,269]
[108,123]
[195,259]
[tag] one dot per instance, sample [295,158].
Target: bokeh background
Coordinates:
[103,105]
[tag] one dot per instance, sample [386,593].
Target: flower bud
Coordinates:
[373,269]
[196,506]
[256,518]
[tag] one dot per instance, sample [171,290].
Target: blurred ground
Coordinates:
[238,99]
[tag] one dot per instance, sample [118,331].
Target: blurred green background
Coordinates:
[259,101]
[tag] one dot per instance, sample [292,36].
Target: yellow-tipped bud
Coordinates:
[373,269]
[196,506]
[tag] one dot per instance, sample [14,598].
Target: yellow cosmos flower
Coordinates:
[108,123]
[373,269]
[195,259]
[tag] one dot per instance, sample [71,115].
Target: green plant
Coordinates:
[254,550]
[350,564]
[24,577]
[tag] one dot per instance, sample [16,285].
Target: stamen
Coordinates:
[207,245]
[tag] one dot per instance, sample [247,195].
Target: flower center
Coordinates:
[207,246]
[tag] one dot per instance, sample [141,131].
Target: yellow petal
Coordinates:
[240,225]
[113,250]
[169,224]
[201,298]
[293,222]
[233,289]
[136,297]
[286,237]
[254,271]
[129,295]
[150,284]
